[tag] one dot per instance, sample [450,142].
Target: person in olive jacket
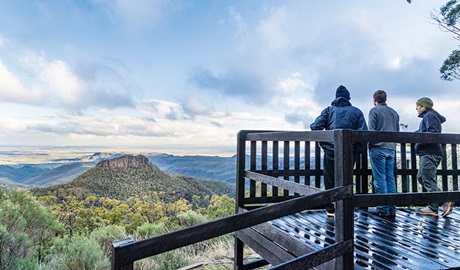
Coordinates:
[430,155]
[339,115]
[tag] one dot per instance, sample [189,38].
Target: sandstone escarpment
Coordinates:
[125,162]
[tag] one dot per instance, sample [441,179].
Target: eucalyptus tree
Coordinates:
[448,20]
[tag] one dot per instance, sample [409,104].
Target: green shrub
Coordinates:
[105,236]
[191,218]
[171,260]
[147,230]
[85,253]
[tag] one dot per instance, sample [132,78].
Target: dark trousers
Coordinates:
[329,171]
[426,175]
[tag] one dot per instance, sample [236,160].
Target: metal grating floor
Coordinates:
[407,242]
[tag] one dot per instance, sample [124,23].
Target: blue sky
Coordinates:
[186,76]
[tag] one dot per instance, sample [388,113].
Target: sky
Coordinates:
[184,77]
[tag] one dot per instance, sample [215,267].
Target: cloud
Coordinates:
[161,109]
[237,19]
[193,106]
[55,83]
[98,126]
[12,90]
[296,99]
[247,85]
[106,85]
[274,30]
[137,15]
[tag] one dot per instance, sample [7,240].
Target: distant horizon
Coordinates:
[36,154]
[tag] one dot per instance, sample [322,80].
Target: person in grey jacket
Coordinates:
[339,115]
[430,155]
[382,154]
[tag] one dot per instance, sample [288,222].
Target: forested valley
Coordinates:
[73,226]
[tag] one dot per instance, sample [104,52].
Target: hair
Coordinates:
[380,96]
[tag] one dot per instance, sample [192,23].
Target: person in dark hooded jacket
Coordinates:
[339,115]
[430,155]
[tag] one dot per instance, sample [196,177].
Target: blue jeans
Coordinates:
[383,162]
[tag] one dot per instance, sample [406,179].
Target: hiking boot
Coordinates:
[426,211]
[447,207]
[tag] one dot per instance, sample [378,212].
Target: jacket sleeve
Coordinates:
[362,123]
[321,121]
[372,120]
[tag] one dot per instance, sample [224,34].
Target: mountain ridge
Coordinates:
[61,171]
[125,180]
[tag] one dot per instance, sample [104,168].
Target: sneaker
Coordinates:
[426,211]
[375,211]
[447,207]
[332,215]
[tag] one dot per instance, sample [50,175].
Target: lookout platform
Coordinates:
[408,241]
[280,197]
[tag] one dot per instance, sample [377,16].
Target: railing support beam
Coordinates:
[343,175]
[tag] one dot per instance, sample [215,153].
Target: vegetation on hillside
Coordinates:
[73,226]
[123,183]
[46,233]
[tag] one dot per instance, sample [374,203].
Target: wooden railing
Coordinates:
[279,173]
[274,165]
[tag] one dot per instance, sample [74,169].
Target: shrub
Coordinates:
[105,236]
[148,230]
[191,218]
[85,253]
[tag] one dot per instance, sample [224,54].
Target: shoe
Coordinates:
[426,211]
[447,207]
[375,211]
[332,215]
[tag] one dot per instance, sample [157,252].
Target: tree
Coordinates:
[26,229]
[447,19]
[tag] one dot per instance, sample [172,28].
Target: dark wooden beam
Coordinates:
[317,258]
[282,183]
[166,242]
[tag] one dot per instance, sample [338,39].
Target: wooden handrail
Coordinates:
[286,178]
[126,254]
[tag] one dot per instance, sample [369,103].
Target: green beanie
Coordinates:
[425,102]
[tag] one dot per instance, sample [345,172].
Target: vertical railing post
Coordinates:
[116,265]
[343,175]
[454,167]
[404,168]
[240,185]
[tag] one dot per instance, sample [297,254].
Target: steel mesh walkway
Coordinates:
[408,241]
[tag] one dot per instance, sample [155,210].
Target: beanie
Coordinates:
[425,102]
[342,92]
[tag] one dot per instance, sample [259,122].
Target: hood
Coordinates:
[343,92]
[341,102]
[428,110]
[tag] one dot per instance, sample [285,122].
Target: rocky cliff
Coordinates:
[124,162]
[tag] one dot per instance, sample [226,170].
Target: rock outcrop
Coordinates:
[124,162]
